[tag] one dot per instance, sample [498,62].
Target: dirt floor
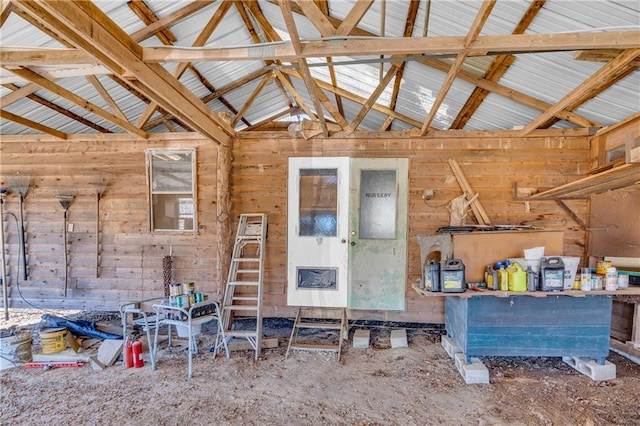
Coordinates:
[417,385]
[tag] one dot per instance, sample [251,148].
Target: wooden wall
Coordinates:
[492,166]
[131,256]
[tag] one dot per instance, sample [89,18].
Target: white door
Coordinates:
[318,207]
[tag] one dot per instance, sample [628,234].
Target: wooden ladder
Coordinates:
[320,319]
[243,292]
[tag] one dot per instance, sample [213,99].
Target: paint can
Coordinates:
[611,279]
[14,349]
[183,301]
[53,340]
[602,266]
[188,288]
[175,289]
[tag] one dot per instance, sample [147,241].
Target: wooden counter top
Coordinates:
[629,291]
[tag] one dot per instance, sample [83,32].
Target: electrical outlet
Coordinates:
[427,194]
[70,227]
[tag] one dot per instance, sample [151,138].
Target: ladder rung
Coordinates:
[246,259]
[252,298]
[315,347]
[249,283]
[328,325]
[241,308]
[241,333]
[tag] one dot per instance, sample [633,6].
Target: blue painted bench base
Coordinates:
[555,325]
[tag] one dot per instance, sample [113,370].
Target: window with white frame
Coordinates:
[172,188]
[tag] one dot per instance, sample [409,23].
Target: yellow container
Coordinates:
[517,278]
[53,340]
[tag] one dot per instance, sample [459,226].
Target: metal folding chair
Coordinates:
[133,314]
[189,321]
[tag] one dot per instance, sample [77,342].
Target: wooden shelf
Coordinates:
[614,178]
[630,291]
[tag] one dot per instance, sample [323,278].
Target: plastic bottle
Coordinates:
[532,279]
[503,278]
[517,278]
[611,279]
[491,278]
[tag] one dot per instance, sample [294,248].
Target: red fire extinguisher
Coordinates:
[138,362]
[128,353]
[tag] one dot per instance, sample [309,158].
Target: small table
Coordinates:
[188,323]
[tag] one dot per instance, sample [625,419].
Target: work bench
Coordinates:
[571,324]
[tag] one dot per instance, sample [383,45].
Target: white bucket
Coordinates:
[15,349]
[183,330]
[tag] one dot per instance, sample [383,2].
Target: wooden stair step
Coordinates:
[315,347]
[327,325]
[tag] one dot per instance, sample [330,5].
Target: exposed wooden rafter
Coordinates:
[29,93]
[472,35]
[496,70]
[32,124]
[610,71]
[434,45]
[312,89]
[412,14]
[85,26]
[77,100]
[182,67]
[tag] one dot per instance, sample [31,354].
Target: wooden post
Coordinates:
[223,212]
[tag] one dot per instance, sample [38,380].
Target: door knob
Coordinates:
[343,241]
[353,243]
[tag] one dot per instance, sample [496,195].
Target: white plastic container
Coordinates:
[611,279]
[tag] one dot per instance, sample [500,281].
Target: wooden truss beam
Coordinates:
[472,35]
[32,124]
[85,26]
[610,71]
[434,45]
[496,70]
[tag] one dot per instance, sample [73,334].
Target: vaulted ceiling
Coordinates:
[221,67]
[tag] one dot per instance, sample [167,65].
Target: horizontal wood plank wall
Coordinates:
[491,165]
[130,256]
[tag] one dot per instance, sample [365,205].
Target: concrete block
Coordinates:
[590,368]
[472,373]
[449,346]
[399,338]
[109,351]
[361,338]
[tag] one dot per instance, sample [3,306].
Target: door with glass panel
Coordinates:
[347,229]
[378,233]
[318,199]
